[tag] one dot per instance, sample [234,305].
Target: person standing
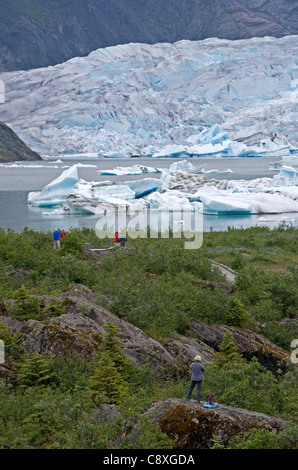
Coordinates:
[122,239]
[197,378]
[116,238]
[56,237]
[62,235]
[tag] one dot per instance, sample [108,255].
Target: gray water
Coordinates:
[17,182]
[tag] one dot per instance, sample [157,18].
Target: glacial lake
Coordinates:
[17,181]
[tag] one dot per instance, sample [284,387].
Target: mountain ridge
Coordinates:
[34,35]
[12,148]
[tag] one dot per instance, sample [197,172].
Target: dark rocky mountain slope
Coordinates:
[36,33]
[12,148]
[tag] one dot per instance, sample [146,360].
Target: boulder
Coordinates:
[191,426]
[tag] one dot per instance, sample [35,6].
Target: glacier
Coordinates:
[213,97]
[175,189]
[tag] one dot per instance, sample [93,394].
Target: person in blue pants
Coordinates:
[197,378]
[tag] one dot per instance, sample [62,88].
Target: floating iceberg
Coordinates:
[252,203]
[81,204]
[145,186]
[56,192]
[286,177]
[171,151]
[133,170]
[174,189]
[168,200]
[183,165]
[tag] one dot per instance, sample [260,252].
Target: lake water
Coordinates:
[17,182]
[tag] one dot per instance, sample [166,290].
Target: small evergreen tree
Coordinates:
[106,383]
[237,315]
[26,306]
[229,355]
[113,347]
[35,371]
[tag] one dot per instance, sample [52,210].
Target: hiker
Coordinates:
[116,239]
[62,235]
[122,240]
[56,237]
[197,378]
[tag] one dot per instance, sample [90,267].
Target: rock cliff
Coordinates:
[12,148]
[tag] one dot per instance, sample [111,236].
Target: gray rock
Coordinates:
[191,426]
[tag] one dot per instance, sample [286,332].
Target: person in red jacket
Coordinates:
[62,235]
[116,239]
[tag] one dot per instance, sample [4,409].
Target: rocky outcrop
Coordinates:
[191,426]
[250,344]
[12,148]
[205,340]
[81,329]
[36,34]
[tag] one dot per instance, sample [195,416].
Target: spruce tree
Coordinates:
[106,383]
[237,314]
[113,347]
[229,355]
[35,371]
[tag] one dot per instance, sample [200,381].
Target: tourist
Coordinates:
[122,239]
[62,235]
[116,239]
[197,378]
[56,237]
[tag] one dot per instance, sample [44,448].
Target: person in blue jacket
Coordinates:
[197,378]
[56,237]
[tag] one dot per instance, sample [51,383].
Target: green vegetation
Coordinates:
[160,287]
[33,10]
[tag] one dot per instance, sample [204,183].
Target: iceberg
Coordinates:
[174,189]
[56,192]
[82,204]
[172,151]
[115,191]
[168,200]
[286,177]
[133,170]
[183,165]
[144,186]
[239,149]
[239,203]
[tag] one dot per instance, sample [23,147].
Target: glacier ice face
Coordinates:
[187,98]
